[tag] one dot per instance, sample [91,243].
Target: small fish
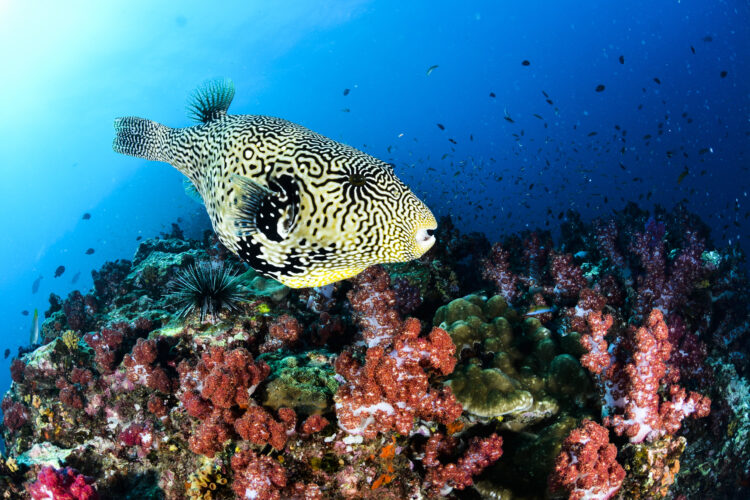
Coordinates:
[492,94]
[89,251]
[682,175]
[537,310]
[138,238]
[6,354]
[86,216]
[525,62]
[440,126]
[75,277]
[723,74]
[507,117]
[346,92]
[599,88]
[581,255]
[299,225]
[59,271]
[658,82]
[431,69]
[538,116]
[34,335]
[708,38]
[346,110]
[25,312]
[692,49]
[622,59]
[35,285]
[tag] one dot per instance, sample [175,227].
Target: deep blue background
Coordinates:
[70,69]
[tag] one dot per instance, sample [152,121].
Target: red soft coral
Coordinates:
[586,466]
[257,476]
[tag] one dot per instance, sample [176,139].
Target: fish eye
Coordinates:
[357,179]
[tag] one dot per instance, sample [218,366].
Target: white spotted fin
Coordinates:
[272,211]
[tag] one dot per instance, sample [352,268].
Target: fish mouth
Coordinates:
[425,237]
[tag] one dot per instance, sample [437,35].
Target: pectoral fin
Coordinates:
[272,211]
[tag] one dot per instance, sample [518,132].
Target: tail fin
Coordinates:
[142,138]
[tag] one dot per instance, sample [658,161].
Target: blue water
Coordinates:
[70,68]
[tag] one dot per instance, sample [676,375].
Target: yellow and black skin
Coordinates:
[297,206]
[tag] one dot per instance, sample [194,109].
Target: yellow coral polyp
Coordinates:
[202,484]
[70,339]
[264,308]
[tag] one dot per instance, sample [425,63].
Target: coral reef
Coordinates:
[609,364]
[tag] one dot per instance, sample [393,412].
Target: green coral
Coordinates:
[436,282]
[509,366]
[303,382]
[488,392]
[261,286]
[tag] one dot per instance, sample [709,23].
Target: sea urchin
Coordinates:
[206,287]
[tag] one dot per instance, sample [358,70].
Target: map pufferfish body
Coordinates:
[297,206]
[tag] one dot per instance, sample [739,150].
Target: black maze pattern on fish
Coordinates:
[337,184]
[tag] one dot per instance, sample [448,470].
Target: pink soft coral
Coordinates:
[62,484]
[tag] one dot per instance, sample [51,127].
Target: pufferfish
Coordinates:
[298,207]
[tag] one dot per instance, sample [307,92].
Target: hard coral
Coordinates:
[62,484]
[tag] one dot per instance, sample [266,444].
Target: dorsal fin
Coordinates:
[211,100]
